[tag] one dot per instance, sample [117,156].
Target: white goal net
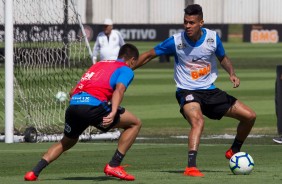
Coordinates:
[50,55]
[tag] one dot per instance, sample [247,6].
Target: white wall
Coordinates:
[242,11]
[151,11]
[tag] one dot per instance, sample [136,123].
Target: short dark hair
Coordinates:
[128,51]
[194,9]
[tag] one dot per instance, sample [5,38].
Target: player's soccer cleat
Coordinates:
[30,176]
[193,171]
[278,140]
[118,172]
[229,153]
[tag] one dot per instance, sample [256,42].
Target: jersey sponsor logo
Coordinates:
[82,99]
[199,69]
[87,76]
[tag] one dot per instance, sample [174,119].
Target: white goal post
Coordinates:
[46,51]
[9,71]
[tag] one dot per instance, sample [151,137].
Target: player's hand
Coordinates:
[107,120]
[235,80]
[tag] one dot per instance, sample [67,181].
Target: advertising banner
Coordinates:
[130,32]
[262,33]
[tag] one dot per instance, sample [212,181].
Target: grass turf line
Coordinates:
[150,163]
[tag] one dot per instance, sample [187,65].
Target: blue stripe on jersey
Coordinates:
[220,52]
[122,75]
[198,42]
[166,47]
[84,98]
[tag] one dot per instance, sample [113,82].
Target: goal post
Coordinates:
[9,71]
[51,52]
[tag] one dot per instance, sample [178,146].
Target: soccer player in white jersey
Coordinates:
[195,51]
[108,43]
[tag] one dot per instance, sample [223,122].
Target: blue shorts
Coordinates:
[214,102]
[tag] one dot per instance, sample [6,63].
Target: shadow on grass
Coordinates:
[98,178]
[204,171]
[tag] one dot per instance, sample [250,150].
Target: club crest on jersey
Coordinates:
[210,41]
[181,46]
[189,97]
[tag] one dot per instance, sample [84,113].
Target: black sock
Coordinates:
[192,158]
[236,146]
[117,159]
[40,166]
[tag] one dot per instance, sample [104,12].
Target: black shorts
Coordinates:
[214,103]
[79,117]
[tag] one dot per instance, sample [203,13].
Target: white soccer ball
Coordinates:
[61,96]
[241,163]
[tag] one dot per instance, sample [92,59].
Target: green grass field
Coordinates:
[162,158]
[150,163]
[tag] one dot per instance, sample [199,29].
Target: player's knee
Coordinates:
[251,118]
[198,123]
[138,123]
[67,143]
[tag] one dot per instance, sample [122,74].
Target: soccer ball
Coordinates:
[241,163]
[61,96]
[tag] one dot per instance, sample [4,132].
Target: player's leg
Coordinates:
[72,131]
[52,154]
[57,149]
[246,117]
[193,114]
[131,125]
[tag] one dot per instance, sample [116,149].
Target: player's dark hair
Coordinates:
[127,51]
[194,9]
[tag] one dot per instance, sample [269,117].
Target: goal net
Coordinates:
[51,53]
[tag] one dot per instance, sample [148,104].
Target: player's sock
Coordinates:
[192,158]
[117,159]
[236,146]
[40,166]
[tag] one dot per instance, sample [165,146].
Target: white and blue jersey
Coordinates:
[195,64]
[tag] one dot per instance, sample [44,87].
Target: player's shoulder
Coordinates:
[209,31]
[126,70]
[177,34]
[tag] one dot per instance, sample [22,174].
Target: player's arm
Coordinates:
[166,47]
[119,81]
[226,63]
[116,101]
[145,58]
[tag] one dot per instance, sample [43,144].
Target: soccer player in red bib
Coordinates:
[196,51]
[95,101]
